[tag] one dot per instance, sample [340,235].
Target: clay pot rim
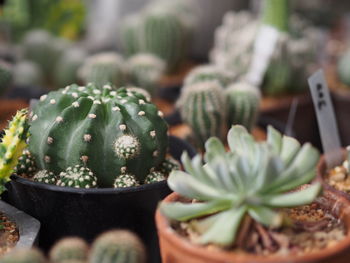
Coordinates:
[183,244]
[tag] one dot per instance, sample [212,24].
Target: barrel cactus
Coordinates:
[6,76]
[145,70]
[130,33]
[343,68]
[26,165]
[117,246]
[209,72]
[126,180]
[202,107]
[67,66]
[243,104]
[27,73]
[78,177]
[103,68]
[111,132]
[24,256]
[12,145]
[70,249]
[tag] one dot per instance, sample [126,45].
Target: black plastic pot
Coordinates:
[65,211]
[28,227]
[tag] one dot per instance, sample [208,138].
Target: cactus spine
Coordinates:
[202,107]
[111,132]
[12,145]
[118,246]
[104,68]
[145,70]
[69,250]
[243,104]
[78,177]
[24,256]
[6,75]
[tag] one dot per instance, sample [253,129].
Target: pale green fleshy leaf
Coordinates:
[265,216]
[214,149]
[274,139]
[290,148]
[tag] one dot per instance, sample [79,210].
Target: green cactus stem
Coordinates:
[68,250]
[26,165]
[44,176]
[78,177]
[117,246]
[243,104]
[12,145]
[276,14]
[111,132]
[203,107]
[24,256]
[102,69]
[125,180]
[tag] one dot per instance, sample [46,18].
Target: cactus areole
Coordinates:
[111,132]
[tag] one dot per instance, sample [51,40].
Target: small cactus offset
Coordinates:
[45,176]
[12,145]
[111,132]
[6,76]
[26,165]
[209,73]
[154,177]
[117,246]
[243,104]
[68,250]
[66,70]
[78,177]
[24,256]
[125,180]
[203,107]
[104,68]
[145,70]
[168,165]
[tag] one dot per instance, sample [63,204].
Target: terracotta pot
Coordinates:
[175,248]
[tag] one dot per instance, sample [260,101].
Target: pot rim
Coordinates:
[184,245]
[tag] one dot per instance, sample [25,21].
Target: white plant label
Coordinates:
[264,46]
[326,119]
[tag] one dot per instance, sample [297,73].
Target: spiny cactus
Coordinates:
[24,256]
[203,107]
[125,180]
[27,73]
[154,177]
[26,165]
[111,132]
[66,70]
[68,250]
[103,68]
[118,246]
[209,73]
[251,179]
[6,76]
[145,70]
[12,145]
[78,177]
[130,34]
[243,104]
[168,165]
[44,176]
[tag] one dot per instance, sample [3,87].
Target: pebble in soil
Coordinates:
[339,177]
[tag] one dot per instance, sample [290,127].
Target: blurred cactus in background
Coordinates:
[6,76]
[27,73]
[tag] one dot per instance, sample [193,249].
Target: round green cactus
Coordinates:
[44,176]
[102,69]
[24,256]
[78,177]
[343,68]
[154,177]
[71,249]
[131,28]
[168,165]
[67,66]
[209,73]
[243,104]
[96,128]
[203,107]
[125,180]
[6,76]
[26,165]
[117,246]
[27,73]
[145,70]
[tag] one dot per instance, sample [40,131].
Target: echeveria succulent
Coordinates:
[252,178]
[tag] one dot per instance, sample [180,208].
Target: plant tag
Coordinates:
[326,119]
[264,46]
